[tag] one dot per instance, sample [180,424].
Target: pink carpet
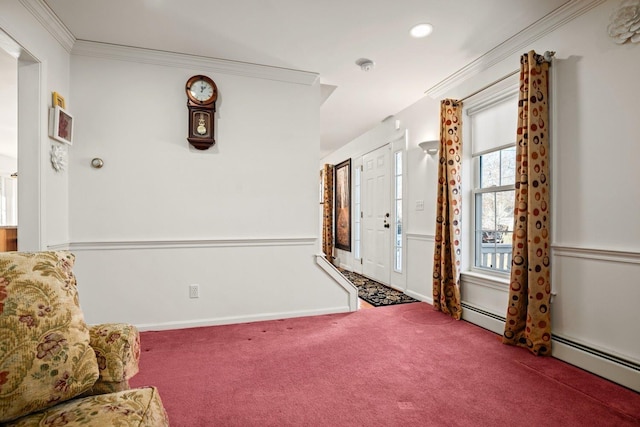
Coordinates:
[403,365]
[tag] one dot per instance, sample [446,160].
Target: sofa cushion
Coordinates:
[140,407]
[45,357]
[117,348]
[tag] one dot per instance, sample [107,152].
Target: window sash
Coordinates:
[489,257]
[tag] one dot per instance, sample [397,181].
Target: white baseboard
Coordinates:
[605,365]
[419,297]
[483,319]
[164,326]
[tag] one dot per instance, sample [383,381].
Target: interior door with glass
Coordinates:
[376,215]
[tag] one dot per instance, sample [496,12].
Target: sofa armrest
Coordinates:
[117,348]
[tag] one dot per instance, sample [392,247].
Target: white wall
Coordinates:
[239,219]
[596,228]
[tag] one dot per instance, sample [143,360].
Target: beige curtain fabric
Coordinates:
[327,217]
[528,316]
[446,258]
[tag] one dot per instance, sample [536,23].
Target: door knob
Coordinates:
[386,226]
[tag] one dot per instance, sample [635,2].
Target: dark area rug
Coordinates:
[376,293]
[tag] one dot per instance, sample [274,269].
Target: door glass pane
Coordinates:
[397,227]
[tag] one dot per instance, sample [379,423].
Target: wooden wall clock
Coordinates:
[202,93]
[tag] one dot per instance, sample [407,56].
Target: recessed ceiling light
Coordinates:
[421,30]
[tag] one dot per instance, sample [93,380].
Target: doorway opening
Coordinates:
[8,152]
[25,130]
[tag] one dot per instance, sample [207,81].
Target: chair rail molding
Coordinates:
[421,236]
[610,255]
[185,244]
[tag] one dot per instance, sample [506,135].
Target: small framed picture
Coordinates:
[61,125]
[57,100]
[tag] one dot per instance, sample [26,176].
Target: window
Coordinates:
[494,202]
[493,133]
[397,228]
[358,212]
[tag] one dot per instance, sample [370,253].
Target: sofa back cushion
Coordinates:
[45,357]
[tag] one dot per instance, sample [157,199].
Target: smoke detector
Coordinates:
[365,64]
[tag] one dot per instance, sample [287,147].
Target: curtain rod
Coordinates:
[547,57]
[489,85]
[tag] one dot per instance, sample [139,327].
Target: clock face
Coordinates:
[201,90]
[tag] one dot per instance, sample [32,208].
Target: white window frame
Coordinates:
[398,245]
[357,210]
[506,91]
[477,214]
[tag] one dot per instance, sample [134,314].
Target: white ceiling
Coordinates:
[325,36]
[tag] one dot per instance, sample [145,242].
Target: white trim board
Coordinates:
[182,244]
[182,60]
[420,236]
[239,319]
[50,21]
[610,255]
[595,361]
[43,13]
[559,17]
[333,272]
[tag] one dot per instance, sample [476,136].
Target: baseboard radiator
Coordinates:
[609,366]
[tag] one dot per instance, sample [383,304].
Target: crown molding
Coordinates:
[182,60]
[50,21]
[554,20]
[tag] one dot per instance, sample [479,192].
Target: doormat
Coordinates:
[376,293]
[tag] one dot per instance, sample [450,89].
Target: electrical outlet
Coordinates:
[194,291]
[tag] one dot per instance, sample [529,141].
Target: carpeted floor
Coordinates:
[375,293]
[400,365]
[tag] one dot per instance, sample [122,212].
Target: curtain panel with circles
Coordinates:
[327,212]
[446,262]
[528,321]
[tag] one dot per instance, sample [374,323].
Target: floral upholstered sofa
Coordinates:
[54,369]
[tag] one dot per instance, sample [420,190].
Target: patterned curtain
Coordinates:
[327,217]
[528,316]
[446,258]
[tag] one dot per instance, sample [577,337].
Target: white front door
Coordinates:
[376,215]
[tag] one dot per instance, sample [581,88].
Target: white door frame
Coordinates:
[30,161]
[396,279]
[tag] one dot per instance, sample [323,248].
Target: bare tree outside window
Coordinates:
[494,209]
